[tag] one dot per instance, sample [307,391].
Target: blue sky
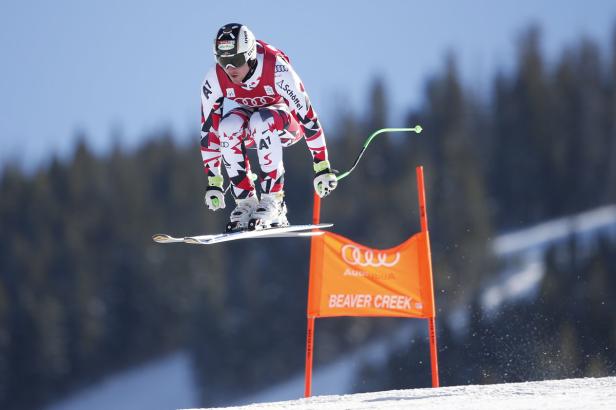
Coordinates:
[120,70]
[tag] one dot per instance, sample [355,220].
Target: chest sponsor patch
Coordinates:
[230,92]
[268,90]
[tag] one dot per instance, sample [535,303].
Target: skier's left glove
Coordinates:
[214,194]
[325,180]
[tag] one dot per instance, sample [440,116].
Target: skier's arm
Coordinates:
[211,110]
[291,88]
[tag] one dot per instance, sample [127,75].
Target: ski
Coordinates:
[292,231]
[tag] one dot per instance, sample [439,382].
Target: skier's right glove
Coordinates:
[214,194]
[325,181]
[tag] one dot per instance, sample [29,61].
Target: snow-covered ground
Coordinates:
[164,384]
[587,394]
[522,252]
[536,239]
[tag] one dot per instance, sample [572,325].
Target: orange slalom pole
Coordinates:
[423,216]
[316,216]
[309,355]
[316,210]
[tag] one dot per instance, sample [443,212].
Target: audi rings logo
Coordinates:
[256,101]
[354,256]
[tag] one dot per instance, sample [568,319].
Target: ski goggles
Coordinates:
[236,60]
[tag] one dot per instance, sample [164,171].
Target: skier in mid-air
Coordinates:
[252,98]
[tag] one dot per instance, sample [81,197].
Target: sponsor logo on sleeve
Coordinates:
[292,97]
[279,68]
[207,90]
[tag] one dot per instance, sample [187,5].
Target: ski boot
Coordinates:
[240,217]
[270,213]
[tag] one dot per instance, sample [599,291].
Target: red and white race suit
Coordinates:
[269,111]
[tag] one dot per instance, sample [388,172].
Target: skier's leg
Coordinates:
[233,140]
[272,129]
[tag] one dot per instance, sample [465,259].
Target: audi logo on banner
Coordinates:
[256,101]
[355,256]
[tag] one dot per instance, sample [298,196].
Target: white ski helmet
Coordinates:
[234,45]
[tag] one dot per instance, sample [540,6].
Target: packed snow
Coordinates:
[588,394]
[166,383]
[585,225]
[522,252]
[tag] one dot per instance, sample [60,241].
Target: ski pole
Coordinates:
[417,129]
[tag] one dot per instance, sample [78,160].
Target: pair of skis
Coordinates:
[293,231]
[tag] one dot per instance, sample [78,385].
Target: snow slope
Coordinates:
[162,384]
[537,238]
[587,394]
[522,252]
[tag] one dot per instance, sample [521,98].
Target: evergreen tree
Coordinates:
[457,200]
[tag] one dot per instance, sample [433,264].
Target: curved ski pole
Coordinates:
[417,129]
